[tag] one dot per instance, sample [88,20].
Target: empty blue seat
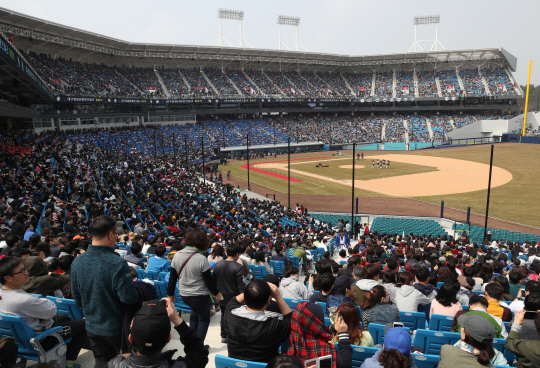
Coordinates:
[439,322]
[295,261]
[67,307]
[143,274]
[320,252]
[161,289]
[426,360]
[226,362]
[377,332]
[278,267]
[323,306]
[162,276]
[327,321]
[431,342]
[439,285]
[259,271]
[293,303]
[179,304]
[28,343]
[413,320]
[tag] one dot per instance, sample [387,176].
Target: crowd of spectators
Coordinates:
[449,83]
[243,83]
[267,87]
[427,87]
[221,82]
[498,82]
[418,129]
[199,87]
[405,85]
[394,129]
[440,125]
[336,84]
[361,83]
[384,86]
[145,79]
[174,83]
[472,82]
[301,85]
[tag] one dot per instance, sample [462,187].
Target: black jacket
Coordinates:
[196,354]
[256,341]
[229,278]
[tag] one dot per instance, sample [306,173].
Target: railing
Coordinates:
[473,141]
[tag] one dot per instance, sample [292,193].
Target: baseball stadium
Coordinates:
[336,210]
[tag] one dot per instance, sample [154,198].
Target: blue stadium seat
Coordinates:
[293,303]
[323,306]
[179,304]
[29,347]
[278,267]
[143,274]
[226,362]
[439,285]
[507,326]
[327,321]
[342,263]
[360,354]
[295,262]
[466,307]
[425,309]
[426,360]
[431,342]
[439,322]
[161,289]
[413,320]
[259,271]
[162,276]
[320,252]
[67,307]
[377,332]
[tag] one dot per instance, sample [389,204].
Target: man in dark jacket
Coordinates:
[151,331]
[17,227]
[280,255]
[101,283]
[229,278]
[255,334]
[422,283]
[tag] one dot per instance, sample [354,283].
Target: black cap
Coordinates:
[343,282]
[151,326]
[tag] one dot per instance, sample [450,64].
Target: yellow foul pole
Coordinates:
[527,99]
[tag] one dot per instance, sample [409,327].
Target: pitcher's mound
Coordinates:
[350,167]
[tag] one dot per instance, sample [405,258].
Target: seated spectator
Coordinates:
[309,336]
[345,293]
[325,284]
[515,284]
[22,253]
[527,351]
[151,332]
[40,281]
[478,306]
[466,286]
[260,259]
[407,297]
[395,352]
[389,281]
[292,288]
[280,255]
[370,278]
[528,328]
[29,232]
[357,336]
[475,348]
[503,281]
[375,307]
[38,313]
[159,262]
[253,333]
[518,303]
[446,302]
[135,258]
[493,294]
[422,283]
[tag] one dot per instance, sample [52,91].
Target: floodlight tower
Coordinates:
[228,14]
[424,20]
[284,20]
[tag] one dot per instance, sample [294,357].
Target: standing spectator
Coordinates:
[190,268]
[527,351]
[229,278]
[101,283]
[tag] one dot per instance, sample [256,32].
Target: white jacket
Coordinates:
[366,284]
[291,288]
[408,299]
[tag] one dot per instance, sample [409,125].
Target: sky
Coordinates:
[349,27]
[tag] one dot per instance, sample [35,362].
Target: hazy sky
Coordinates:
[351,27]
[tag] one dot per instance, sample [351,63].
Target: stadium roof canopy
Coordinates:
[24,28]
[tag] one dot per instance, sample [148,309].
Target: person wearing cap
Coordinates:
[475,349]
[101,283]
[151,332]
[344,293]
[527,351]
[395,353]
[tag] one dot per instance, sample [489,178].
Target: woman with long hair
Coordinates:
[408,298]
[395,353]
[446,302]
[475,349]
[486,272]
[375,307]
[357,336]
[389,281]
[260,259]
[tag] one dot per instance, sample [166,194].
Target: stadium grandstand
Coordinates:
[118,188]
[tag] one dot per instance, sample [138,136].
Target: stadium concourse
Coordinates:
[97,232]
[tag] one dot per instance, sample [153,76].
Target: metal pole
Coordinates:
[202,154]
[352,192]
[185,146]
[247,149]
[289,170]
[155,154]
[489,192]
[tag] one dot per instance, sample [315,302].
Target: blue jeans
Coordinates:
[200,313]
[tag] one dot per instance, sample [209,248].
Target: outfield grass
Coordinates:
[516,201]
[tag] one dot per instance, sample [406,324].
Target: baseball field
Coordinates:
[415,181]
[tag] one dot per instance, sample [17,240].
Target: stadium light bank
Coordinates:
[285,20]
[235,15]
[426,20]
